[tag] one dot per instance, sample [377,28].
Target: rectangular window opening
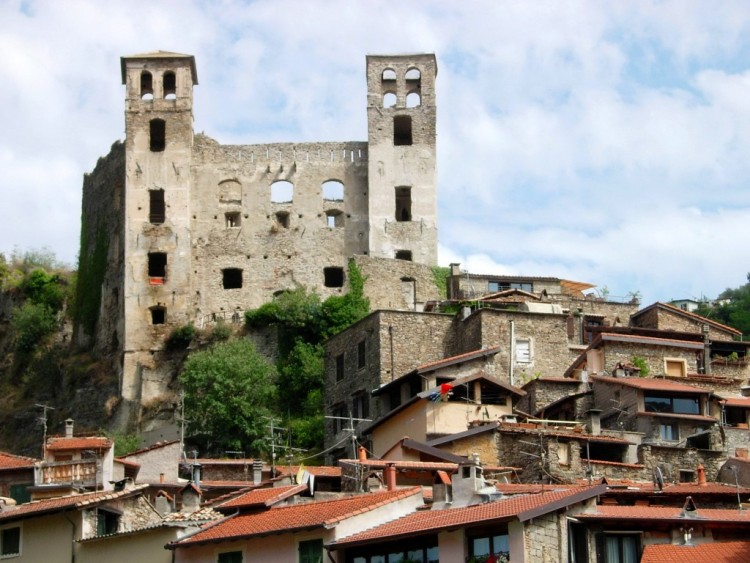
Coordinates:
[403,255]
[403,203]
[10,541]
[158,315]
[233,219]
[158,133]
[311,551]
[157,266]
[339,367]
[156,207]
[523,351]
[229,557]
[106,522]
[231,278]
[333,276]
[361,354]
[402,130]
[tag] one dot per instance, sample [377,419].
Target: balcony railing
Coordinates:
[63,472]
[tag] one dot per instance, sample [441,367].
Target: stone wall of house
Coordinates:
[669,320]
[157,461]
[484,445]
[736,440]
[655,356]
[546,539]
[671,460]
[397,284]
[540,392]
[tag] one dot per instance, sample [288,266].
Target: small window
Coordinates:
[339,367]
[675,367]
[389,74]
[282,218]
[563,453]
[229,557]
[158,132]
[621,548]
[311,551]
[156,207]
[106,522]
[231,278]
[233,219]
[687,476]
[340,417]
[333,277]
[360,406]
[170,86]
[333,190]
[389,100]
[157,265]
[158,315]
[413,74]
[669,432]
[10,541]
[403,203]
[282,192]
[523,351]
[402,130]
[403,255]
[361,354]
[147,86]
[413,100]
[490,544]
[334,218]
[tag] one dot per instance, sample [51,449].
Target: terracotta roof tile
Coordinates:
[717,552]
[696,417]
[458,358]
[202,515]
[648,340]
[156,446]
[317,470]
[742,402]
[521,507]
[10,461]
[417,465]
[296,517]
[79,443]
[262,497]
[664,513]
[650,384]
[693,316]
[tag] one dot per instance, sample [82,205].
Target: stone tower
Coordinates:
[401,122]
[158,153]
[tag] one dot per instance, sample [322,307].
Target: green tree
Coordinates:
[32,323]
[230,389]
[733,310]
[43,288]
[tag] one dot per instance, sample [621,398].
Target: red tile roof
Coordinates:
[648,340]
[522,507]
[650,384]
[152,447]
[10,461]
[458,358]
[696,417]
[285,519]
[742,402]
[550,431]
[717,552]
[417,465]
[261,498]
[664,513]
[317,470]
[79,443]
[689,315]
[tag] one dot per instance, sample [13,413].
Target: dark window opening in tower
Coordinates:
[158,131]
[233,219]
[402,130]
[282,192]
[333,276]
[333,190]
[282,218]
[403,203]
[158,315]
[156,207]
[147,86]
[157,265]
[413,100]
[389,100]
[389,74]
[403,255]
[232,278]
[170,86]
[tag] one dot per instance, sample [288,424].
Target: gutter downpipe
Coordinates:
[512,348]
[72,539]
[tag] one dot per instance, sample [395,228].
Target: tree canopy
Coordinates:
[732,308]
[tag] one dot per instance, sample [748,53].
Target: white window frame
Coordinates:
[529,356]
[681,361]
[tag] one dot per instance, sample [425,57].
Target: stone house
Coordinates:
[158,463]
[178,228]
[16,477]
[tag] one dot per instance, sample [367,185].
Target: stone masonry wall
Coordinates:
[397,284]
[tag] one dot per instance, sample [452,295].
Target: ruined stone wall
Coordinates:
[397,284]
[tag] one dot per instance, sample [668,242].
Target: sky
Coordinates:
[601,142]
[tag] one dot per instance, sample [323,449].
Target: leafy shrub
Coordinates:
[32,323]
[181,337]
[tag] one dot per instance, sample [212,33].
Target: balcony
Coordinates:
[66,472]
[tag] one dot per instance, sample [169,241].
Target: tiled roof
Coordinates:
[224,461]
[614,463]
[742,402]
[522,507]
[64,503]
[317,470]
[550,431]
[10,461]
[648,340]
[399,464]
[156,446]
[693,316]
[696,417]
[527,488]
[717,552]
[296,517]
[457,359]
[202,515]
[650,384]
[665,513]
[262,497]
[79,443]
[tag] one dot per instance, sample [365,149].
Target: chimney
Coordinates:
[455,268]
[595,422]
[701,476]
[362,454]
[197,474]
[257,471]
[390,477]
[69,428]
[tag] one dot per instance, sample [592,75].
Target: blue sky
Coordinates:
[605,142]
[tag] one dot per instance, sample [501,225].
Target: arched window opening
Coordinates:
[413,74]
[389,100]
[282,192]
[333,276]
[334,218]
[231,278]
[413,100]
[403,203]
[156,207]
[147,86]
[230,191]
[158,315]
[170,86]
[333,190]
[389,74]
[282,218]
[402,130]
[158,132]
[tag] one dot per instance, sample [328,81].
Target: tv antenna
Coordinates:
[43,420]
